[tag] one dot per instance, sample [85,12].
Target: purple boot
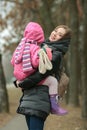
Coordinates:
[55,108]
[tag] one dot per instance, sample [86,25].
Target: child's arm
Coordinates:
[12,59]
[48,51]
[34,49]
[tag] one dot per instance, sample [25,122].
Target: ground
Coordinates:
[72,121]
[14,95]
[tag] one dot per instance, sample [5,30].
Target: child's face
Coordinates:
[57,34]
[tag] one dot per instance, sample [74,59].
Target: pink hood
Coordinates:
[33,31]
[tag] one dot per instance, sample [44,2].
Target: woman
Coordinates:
[35,103]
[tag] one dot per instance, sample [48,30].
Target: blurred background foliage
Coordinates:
[15,14]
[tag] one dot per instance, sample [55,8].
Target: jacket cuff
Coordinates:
[14,82]
[26,84]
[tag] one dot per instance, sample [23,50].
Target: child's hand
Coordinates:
[49,53]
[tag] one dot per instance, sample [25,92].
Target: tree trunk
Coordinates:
[4,105]
[44,12]
[83,59]
[73,98]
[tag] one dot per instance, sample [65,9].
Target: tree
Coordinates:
[83,58]
[73,98]
[48,14]
[4,105]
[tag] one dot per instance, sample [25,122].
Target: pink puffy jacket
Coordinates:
[33,31]
[18,69]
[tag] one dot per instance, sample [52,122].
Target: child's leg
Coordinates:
[52,83]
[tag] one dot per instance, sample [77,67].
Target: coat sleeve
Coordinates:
[12,59]
[34,49]
[36,77]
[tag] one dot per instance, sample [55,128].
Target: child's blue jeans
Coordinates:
[34,122]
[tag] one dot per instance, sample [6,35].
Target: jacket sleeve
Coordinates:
[34,55]
[36,77]
[12,59]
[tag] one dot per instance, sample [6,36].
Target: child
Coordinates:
[25,59]
[57,34]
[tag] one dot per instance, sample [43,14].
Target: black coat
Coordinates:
[35,101]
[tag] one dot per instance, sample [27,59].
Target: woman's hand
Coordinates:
[17,83]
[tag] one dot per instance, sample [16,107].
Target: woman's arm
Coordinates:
[36,77]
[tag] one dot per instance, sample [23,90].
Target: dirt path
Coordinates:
[71,121]
[17,123]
